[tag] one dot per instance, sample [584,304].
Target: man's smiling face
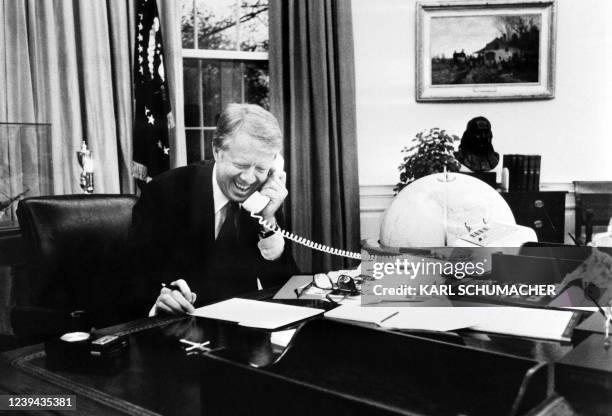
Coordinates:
[243,166]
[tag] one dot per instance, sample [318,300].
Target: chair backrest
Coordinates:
[593,205]
[77,251]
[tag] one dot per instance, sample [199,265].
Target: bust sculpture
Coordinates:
[476,148]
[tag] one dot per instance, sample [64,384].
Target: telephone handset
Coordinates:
[257,202]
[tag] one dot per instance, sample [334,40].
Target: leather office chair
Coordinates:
[593,206]
[77,254]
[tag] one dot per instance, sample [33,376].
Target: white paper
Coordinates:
[433,319]
[358,313]
[282,338]
[517,321]
[525,322]
[256,314]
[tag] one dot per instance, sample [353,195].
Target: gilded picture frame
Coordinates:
[478,50]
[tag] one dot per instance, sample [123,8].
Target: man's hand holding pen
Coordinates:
[175,298]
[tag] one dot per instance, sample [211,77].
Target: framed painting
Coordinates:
[485,50]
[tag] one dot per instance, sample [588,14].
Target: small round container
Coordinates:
[72,337]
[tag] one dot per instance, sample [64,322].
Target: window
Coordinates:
[225,59]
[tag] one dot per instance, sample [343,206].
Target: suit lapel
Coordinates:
[202,206]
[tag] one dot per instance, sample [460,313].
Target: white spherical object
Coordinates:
[435,205]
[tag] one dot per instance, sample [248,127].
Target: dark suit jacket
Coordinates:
[173,226]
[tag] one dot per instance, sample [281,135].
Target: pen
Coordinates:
[388,317]
[608,318]
[172,286]
[299,291]
[574,239]
[607,342]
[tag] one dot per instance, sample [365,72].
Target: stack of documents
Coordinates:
[256,314]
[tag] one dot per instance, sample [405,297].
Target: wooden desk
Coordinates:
[240,372]
[23,371]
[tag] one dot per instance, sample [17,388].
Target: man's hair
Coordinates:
[250,119]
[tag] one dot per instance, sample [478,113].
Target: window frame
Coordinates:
[224,55]
[204,55]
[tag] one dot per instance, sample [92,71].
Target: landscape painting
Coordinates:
[485,50]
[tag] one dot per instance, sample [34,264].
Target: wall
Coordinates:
[569,131]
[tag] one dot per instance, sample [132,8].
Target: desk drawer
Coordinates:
[542,211]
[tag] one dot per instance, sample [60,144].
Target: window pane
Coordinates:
[194,145]
[193,111]
[211,84]
[231,82]
[221,85]
[254,25]
[257,83]
[211,91]
[187,29]
[199,145]
[208,136]
[217,27]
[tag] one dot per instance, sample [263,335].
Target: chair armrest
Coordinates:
[33,324]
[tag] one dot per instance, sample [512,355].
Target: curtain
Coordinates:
[121,22]
[58,56]
[312,91]
[169,14]
[19,153]
[69,63]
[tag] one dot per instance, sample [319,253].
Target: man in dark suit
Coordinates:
[190,230]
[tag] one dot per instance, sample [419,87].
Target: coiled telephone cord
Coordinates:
[304,241]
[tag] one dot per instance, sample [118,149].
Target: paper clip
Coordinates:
[195,345]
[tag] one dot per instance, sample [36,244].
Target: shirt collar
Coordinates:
[219,198]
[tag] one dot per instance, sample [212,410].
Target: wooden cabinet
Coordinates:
[542,211]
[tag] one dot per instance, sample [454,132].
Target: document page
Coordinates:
[528,322]
[433,319]
[358,313]
[256,314]
[525,322]
[419,318]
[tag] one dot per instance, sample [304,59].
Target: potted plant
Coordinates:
[430,152]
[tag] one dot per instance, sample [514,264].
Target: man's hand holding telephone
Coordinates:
[270,197]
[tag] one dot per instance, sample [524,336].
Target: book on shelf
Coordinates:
[524,171]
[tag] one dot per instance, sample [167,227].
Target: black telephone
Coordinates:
[257,202]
